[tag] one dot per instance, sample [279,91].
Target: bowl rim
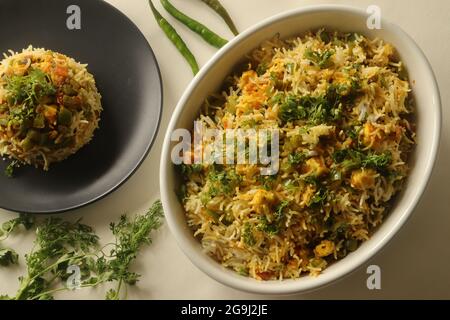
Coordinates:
[229,277]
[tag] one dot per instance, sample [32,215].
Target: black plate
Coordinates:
[128,78]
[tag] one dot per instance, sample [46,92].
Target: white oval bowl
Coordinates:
[211,76]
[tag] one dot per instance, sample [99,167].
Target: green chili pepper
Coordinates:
[208,35]
[173,36]
[221,11]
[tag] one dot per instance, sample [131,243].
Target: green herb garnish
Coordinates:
[261,69]
[290,67]
[189,169]
[377,161]
[25,220]
[130,236]
[220,182]
[29,89]
[319,198]
[316,109]
[267,181]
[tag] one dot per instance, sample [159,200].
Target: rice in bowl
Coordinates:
[341,103]
[49,107]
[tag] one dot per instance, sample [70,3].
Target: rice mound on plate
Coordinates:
[49,107]
[342,105]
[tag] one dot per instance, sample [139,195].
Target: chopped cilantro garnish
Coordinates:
[29,89]
[274,227]
[247,235]
[297,158]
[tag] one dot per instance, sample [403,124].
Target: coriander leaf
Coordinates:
[377,161]
[9,170]
[354,158]
[274,227]
[325,36]
[29,89]
[290,67]
[61,243]
[111,295]
[297,158]
[247,235]
[339,155]
[335,174]
[189,169]
[182,193]
[220,181]
[311,179]
[314,109]
[267,181]
[7,257]
[261,69]
[291,109]
[319,198]
[280,208]
[322,59]
[277,99]
[8,227]
[353,132]
[130,236]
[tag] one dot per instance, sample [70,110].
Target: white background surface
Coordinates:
[416,263]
